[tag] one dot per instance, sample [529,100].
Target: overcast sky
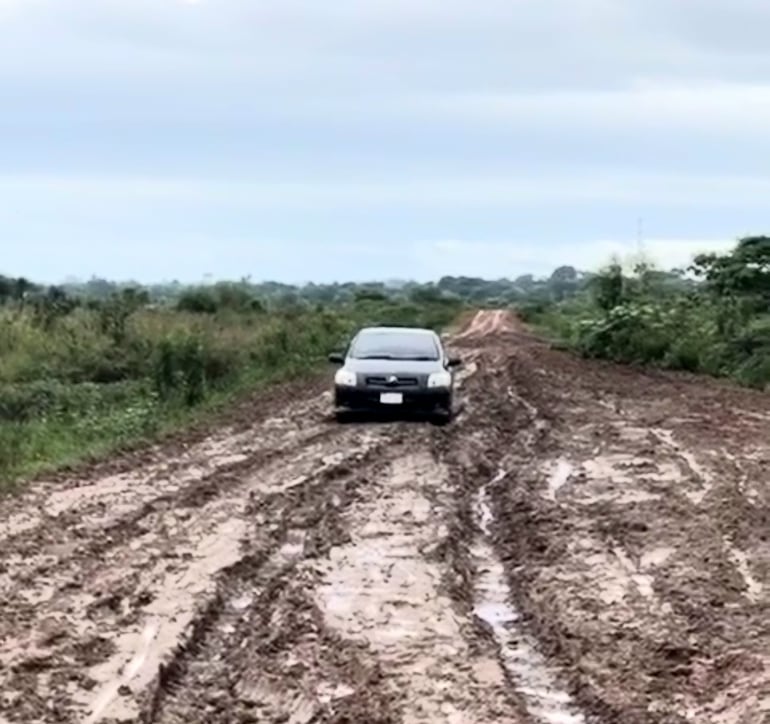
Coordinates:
[354,139]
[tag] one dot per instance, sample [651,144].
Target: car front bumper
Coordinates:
[414,399]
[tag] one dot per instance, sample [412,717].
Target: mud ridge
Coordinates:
[197,491]
[96,544]
[312,513]
[171,673]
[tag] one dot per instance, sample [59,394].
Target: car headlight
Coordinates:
[345,378]
[440,379]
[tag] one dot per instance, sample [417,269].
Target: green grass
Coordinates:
[94,381]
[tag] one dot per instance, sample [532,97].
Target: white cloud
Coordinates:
[664,253]
[9,8]
[567,186]
[724,107]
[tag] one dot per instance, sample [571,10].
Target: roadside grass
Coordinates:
[93,382]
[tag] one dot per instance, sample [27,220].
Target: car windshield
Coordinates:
[395,345]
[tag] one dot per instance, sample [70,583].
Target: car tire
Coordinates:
[442,417]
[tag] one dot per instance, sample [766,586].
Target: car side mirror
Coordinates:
[336,358]
[454,362]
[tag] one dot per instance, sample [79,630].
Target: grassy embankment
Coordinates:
[81,381]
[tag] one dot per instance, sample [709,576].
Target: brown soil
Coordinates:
[584,543]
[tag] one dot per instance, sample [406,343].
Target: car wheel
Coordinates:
[442,416]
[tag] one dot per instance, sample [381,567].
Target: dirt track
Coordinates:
[585,543]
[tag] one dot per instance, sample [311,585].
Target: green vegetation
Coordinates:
[473,290]
[82,375]
[87,368]
[712,318]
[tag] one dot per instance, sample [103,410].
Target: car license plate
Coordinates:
[391,398]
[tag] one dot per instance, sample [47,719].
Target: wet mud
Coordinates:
[583,543]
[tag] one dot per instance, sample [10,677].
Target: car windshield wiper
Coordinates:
[419,358]
[377,356]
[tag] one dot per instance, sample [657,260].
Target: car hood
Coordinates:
[393,367]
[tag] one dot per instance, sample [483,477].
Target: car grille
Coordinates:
[382,381]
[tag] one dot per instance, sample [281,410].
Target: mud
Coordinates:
[584,543]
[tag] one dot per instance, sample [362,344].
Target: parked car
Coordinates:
[397,369]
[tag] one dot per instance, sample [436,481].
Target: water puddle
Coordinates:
[559,477]
[518,399]
[656,557]
[466,372]
[740,559]
[699,472]
[630,433]
[19,523]
[379,586]
[139,653]
[535,680]
[111,693]
[621,479]
[608,469]
[642,581]
[631,497]
[67,499]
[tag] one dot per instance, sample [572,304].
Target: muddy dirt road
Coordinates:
[585,543]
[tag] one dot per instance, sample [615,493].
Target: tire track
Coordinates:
[385,588]
[101,501]
[245,662]
[97,614]
[619,547]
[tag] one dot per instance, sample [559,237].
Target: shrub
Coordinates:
[180,370]
[198,301]
[12,448]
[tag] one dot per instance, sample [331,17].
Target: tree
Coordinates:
[608,287]
[198,301]
[6,289]
[743,272]
[563,282]
[22,288]
[525,282]
[739,283]
[425,294]
[564,274]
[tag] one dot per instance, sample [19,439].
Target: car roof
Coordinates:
[399,330]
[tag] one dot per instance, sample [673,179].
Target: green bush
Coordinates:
[198,301]
[627,333]
[721,327]
[12,443]
[222,296]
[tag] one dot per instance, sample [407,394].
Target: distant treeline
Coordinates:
[563,283]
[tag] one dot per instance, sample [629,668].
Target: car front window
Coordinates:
[396,346]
